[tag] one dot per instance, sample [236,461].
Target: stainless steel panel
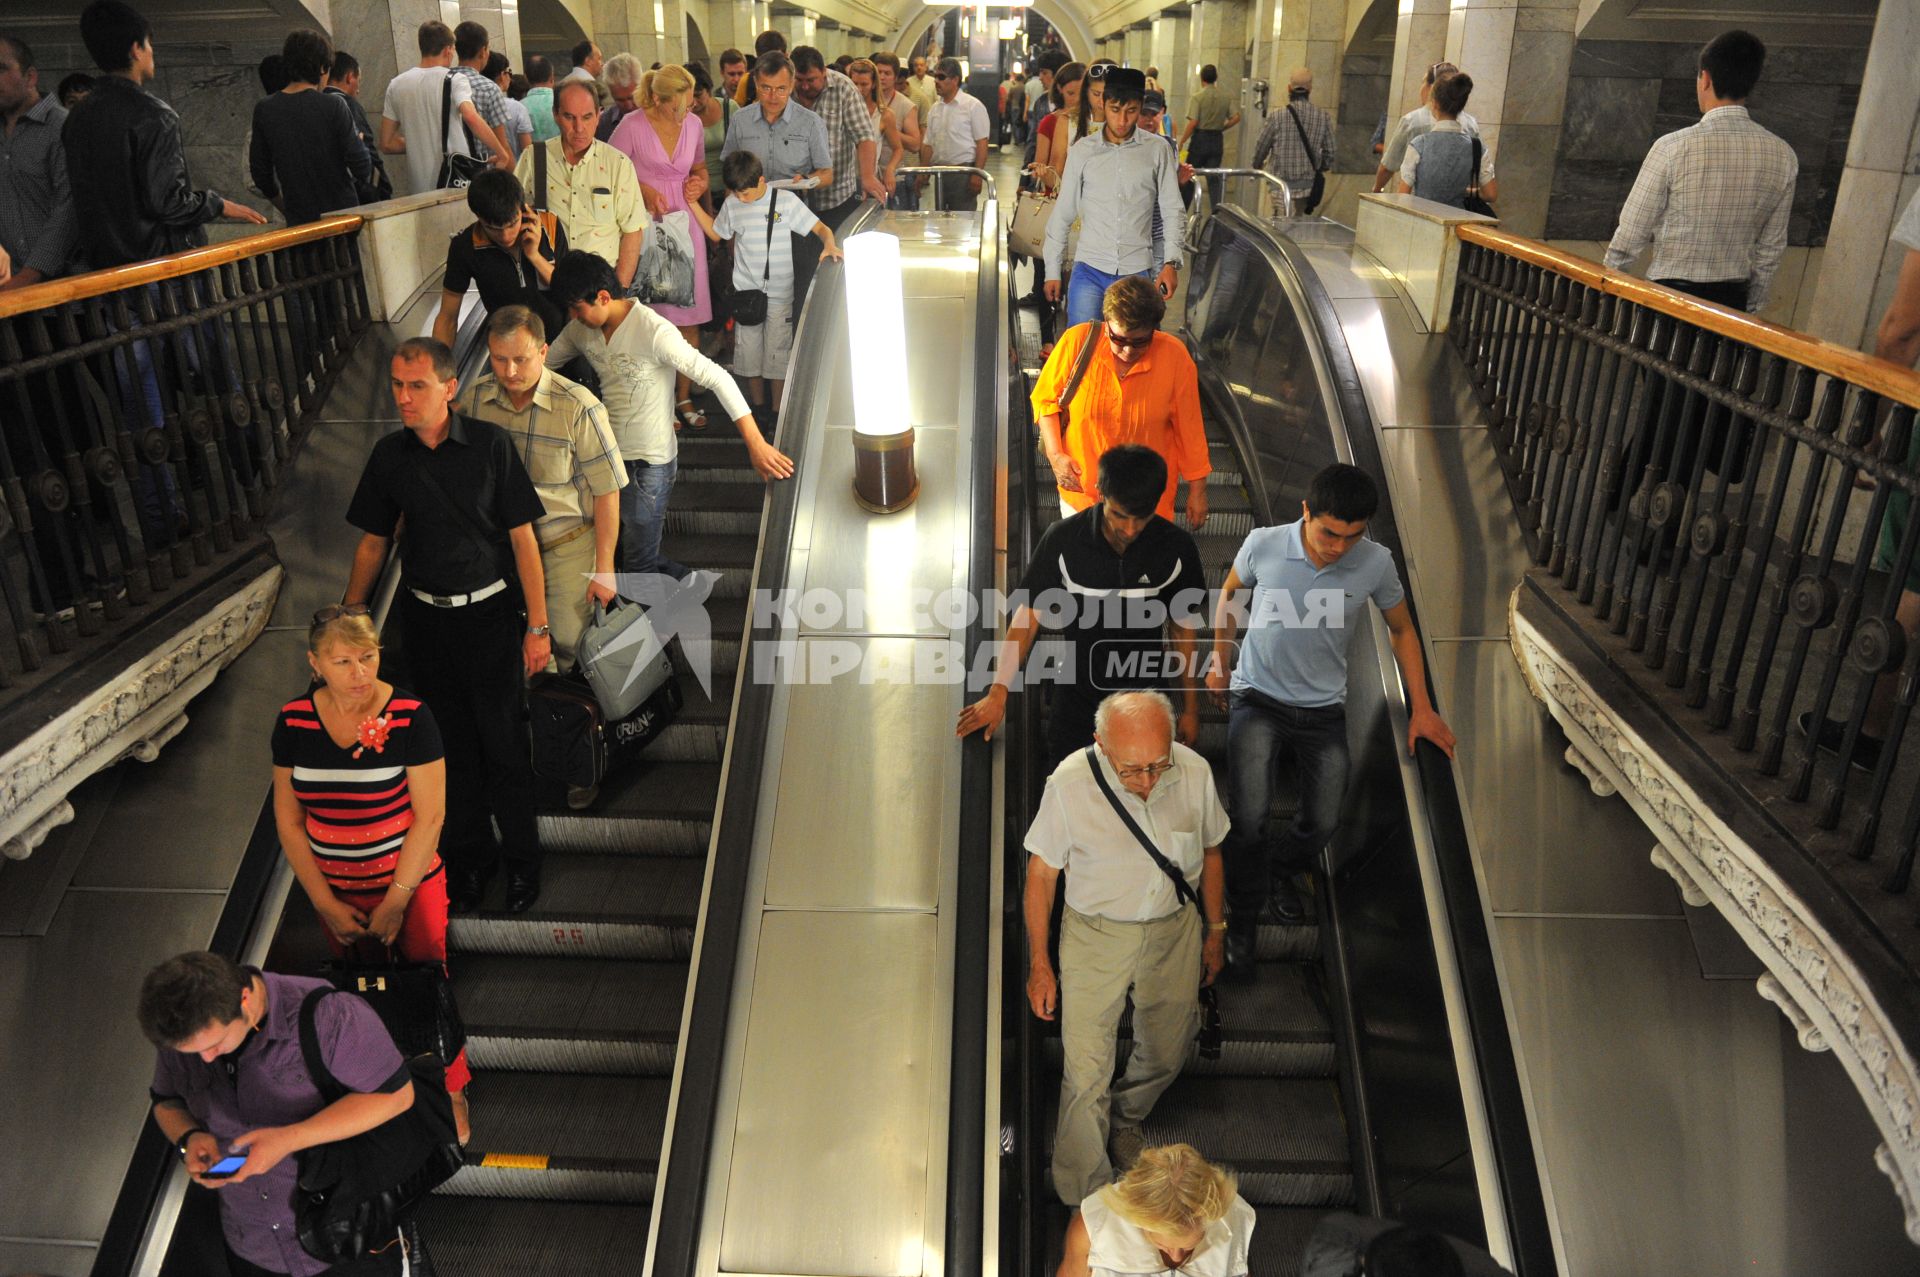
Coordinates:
[48,1259]
[939,393]
[1657,1099]
[1545,842]
[845,836]
[881,559]
[1409,378]
[1344,270]
[1452,503]
[75,1067]
[835,1122]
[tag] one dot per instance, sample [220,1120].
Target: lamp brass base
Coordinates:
[884,477]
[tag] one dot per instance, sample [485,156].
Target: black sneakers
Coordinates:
[1833,734]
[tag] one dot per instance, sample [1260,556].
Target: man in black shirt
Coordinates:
[132,195]
[344,82]
[306,156]
[509,251]
[469,508]
[1116,587]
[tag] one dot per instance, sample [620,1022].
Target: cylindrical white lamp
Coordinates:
[884,478]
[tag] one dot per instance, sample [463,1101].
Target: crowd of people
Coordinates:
[397,806]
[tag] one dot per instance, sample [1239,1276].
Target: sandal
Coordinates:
[691,416]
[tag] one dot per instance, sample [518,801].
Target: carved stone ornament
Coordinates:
[1809,976]
[133,716]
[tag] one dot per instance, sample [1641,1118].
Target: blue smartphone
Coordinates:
[225,1166]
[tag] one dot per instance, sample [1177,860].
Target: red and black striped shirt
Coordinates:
[358,808]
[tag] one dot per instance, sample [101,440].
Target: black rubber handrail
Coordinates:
[973,888]
[1516,1171]
[680,1195]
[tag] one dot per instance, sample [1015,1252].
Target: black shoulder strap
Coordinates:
[1473,178]
[446,113]
[540,175]
[773,213]
[1182,890]
[1302,130]
[323,1079]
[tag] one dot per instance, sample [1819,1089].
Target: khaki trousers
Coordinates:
[1100,960]
[567,567]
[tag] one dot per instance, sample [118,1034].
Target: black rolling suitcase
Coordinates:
[572,739]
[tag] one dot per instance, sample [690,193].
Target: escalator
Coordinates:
[1359,1071]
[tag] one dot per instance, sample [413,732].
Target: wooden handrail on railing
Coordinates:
[1888,380]
[97,283]
[1730,506]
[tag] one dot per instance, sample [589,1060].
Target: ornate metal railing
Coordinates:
[1725,500]
[146,413]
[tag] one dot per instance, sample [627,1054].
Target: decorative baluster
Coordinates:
[1713,360]
[108,443]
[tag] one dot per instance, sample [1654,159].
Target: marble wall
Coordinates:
[1622,95]
[1365,81]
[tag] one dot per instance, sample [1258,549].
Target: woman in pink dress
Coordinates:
[668,148]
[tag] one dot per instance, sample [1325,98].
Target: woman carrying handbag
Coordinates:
[359,797]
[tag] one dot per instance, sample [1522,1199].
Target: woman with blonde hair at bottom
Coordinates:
[1172,1212]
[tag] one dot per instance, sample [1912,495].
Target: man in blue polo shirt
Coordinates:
[790,140]
[1309,582]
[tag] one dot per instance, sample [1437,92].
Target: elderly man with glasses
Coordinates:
[1136,824]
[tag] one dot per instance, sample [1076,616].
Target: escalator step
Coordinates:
[653,808]
[570,1015]
[563,1136]
[595,906]
[474,1237]
[729,556]
[1285,1137]
[1280,1236]
[702,506]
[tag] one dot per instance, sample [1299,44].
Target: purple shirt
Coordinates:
[270,1086]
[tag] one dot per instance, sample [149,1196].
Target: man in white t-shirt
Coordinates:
[410,122]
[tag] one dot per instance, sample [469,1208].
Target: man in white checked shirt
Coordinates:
[1714,199]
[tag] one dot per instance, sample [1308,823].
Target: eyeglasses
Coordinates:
[941,75]
[1131,343]
[338,610]
[1145,770]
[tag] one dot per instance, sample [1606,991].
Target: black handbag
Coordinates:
[354,1194]
[413,999]
[455,170]
[750,304]
[1208,1036]
[1474,203]
[1319,190]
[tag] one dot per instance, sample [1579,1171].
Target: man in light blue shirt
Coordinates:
[1113,183]
[790,141]
[1300,589]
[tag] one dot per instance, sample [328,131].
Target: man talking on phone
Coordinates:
[230,1081]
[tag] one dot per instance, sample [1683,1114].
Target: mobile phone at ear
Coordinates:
[225,1166]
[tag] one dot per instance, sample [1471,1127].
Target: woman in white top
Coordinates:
[1173,1212]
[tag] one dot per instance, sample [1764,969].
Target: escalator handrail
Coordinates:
[679,1199]
[973,899]
[244,927]
[1497,1113]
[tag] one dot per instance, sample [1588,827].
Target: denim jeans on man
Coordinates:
[1259,729]
[1087,290]
[643,517]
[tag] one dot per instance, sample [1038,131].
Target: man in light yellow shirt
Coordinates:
[589,185]
[922,90]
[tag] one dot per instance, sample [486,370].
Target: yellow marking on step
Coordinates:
[516,1161]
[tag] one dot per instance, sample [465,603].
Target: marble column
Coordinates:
[1139,46]
[1218,34]
[1861,264]
[1420,40]
[501,18]
[1518,53]
[1310,34]
[355,27]
[1170,46]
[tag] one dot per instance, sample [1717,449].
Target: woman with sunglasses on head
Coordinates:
[359,796]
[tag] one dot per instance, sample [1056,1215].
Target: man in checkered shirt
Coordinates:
[1714,199]
[473,45]
[853,145]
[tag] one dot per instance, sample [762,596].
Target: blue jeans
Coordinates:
[904,194]
[1258,728]
[1086,290]
[643,518]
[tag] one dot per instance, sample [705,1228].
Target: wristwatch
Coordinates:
[539,631]
[181,1147]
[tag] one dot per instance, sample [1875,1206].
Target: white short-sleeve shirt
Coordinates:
[1109,874]
[1117,1247]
